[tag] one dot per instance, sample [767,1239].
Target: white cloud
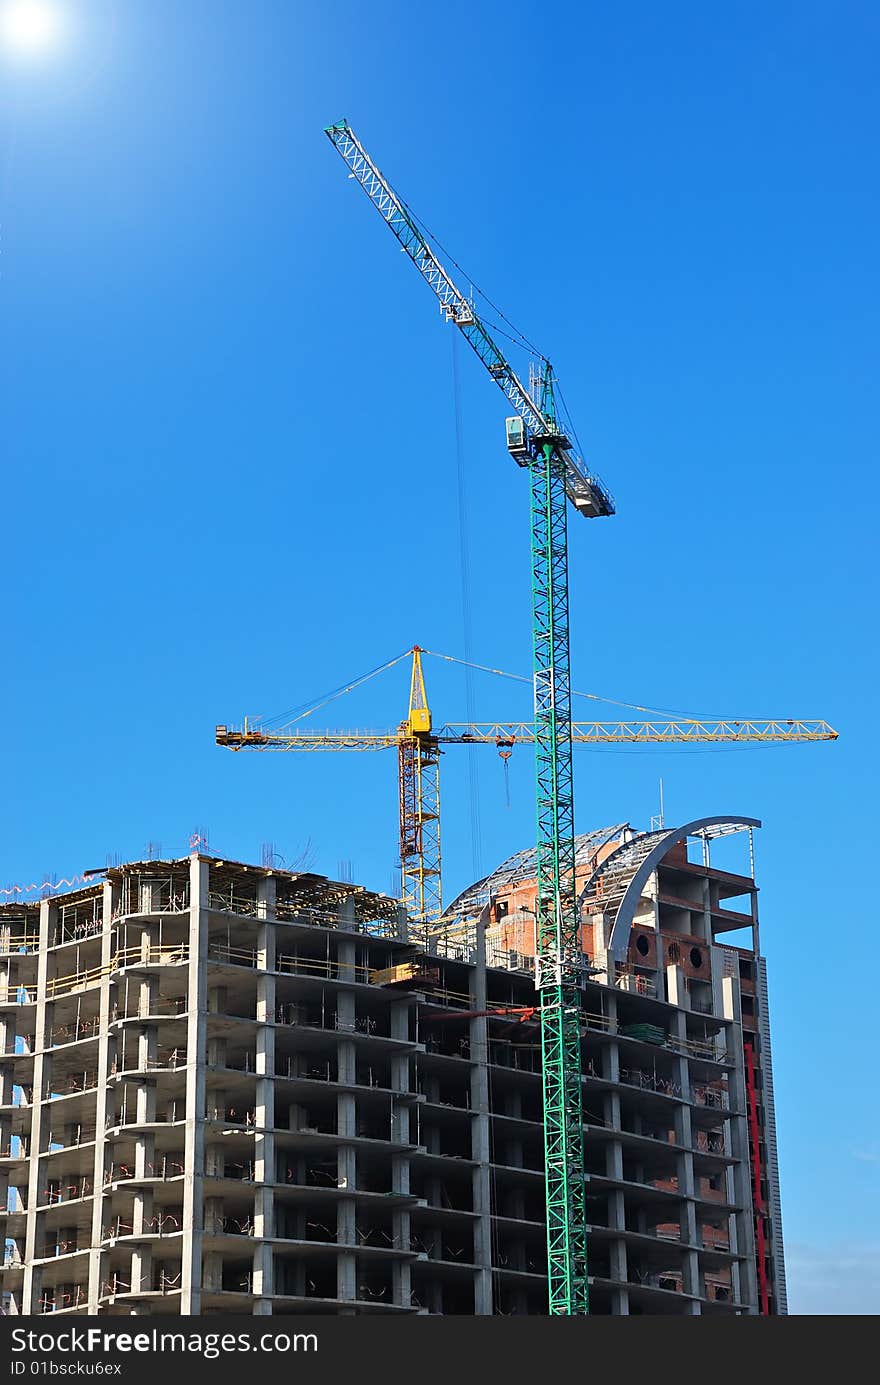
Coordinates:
[833,1280]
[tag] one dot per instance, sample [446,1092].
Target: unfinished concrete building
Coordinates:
[228,1088]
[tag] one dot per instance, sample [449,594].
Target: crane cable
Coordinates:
[519,339]
[521,678]
[296,714]
[596,697]
[466,613]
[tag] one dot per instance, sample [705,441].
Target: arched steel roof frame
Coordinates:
[620,928]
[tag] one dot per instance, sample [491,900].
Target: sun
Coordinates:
[29,27]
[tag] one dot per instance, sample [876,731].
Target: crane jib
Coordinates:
[455,305]
[586,492]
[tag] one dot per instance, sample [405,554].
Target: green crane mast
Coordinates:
[537,442]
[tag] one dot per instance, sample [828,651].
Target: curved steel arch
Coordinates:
[620,928]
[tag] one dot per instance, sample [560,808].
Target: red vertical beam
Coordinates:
[757,1198]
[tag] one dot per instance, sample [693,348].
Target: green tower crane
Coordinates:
[537,442]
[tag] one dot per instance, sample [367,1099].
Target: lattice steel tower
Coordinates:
[537,442]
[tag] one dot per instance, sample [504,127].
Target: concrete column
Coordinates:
[196,1054]
[690,1265]
[614,1159]
[264,1228]
[611,1072]
[400,1135]
[144,1211]
[214,1216]
[142,1269]
[8,1034]
[617,1210]
[480,1134]
[148,995]
[617,1250]
[264,1139]
[620,1302]
[706,898]
[216,1103]
[676,987]
[212,1273]
[146,1103]
[39,1126]
[402,923]
[618,1264]
[434,1242]
[346,1119]
[346,1209]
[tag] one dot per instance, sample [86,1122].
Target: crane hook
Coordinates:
[505,750]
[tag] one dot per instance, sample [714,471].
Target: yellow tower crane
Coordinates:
[418,763]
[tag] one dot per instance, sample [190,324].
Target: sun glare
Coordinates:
[29,27]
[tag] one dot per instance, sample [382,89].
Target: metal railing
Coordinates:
[169,1167]
[650,1081]
[696,1048]
[162,1224]
[233,904]
[162,1008]
[325,967]
[148,895]
[69,1298]
[58,1192]
[711,1096]
[78,931]
[167,1060]
[126,957]
[18,993]
[238,956]
[72,1033]
[289,911]
[53,1249]
[12,943]
[76,1082]
[84,1136]
[710,1142]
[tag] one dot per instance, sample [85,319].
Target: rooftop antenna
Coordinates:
[658,820]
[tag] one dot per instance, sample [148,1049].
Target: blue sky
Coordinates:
[231,474]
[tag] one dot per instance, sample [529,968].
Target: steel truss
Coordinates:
[558,959]
[419,794]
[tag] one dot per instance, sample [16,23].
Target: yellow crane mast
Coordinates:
[418,763]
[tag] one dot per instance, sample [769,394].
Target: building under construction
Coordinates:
[228,1088]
